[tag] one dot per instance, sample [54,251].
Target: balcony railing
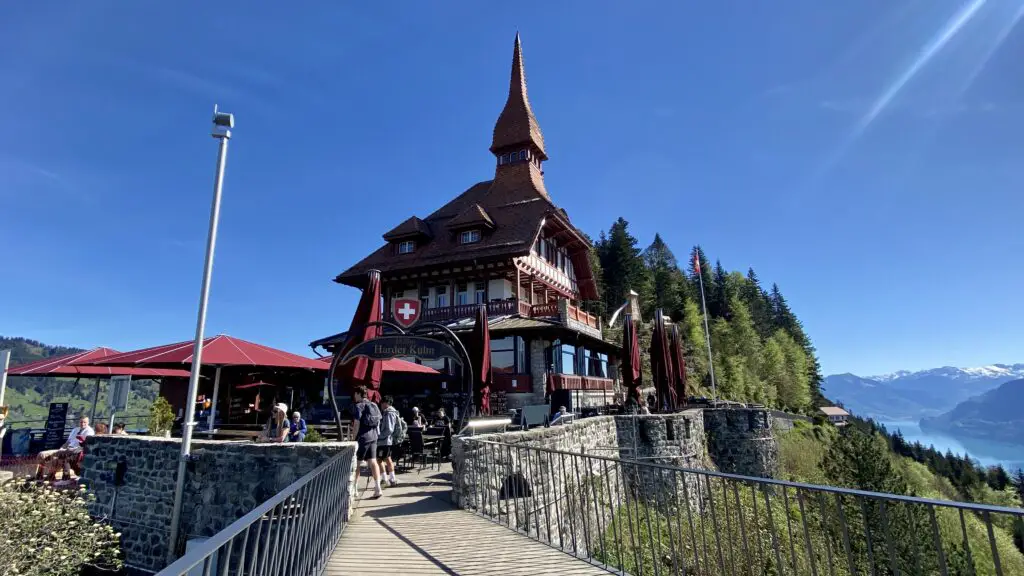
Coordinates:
[574,382]
[574,317]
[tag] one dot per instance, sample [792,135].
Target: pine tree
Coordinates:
[623,268]
[862,461]
[719,304]
[794,391]
[756,300]
[667,292]
[1018,485]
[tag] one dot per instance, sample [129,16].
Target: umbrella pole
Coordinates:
[95,399]
[213,400]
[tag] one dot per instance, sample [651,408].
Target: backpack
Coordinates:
[399,433]
[369,418]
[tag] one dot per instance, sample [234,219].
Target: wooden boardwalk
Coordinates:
[414,529]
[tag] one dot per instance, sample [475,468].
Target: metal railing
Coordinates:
[293,532]
[633,517]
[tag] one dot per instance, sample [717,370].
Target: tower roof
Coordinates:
[516,124]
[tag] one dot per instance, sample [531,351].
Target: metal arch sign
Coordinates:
[401,345]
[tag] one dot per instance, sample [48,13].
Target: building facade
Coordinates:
[504,243]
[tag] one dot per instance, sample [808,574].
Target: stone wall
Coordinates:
[225,480]
[740,441]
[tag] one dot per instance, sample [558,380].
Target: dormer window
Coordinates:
[406,247]
[469,237]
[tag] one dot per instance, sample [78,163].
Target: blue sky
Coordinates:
[863,155]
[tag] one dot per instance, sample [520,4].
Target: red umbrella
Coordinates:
[661,364]
[220,350]
[632,375]
[81,364]
[360,370]
[481,346]
[678,365]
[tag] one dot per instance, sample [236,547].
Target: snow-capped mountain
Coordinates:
[909,396]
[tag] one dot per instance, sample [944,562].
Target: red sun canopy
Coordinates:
[218,350]
[82,364]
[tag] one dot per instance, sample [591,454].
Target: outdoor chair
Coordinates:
[417,450]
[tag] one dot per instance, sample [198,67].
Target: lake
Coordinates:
[988,453]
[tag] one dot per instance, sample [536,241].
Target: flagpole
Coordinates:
[707,333]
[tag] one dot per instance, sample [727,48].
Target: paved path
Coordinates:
[414,530]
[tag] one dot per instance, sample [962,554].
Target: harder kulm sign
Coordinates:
[402,346]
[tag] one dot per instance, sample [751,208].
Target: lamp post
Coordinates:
[222,125]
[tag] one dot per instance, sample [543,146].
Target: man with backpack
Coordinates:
[392,433]
[365,422]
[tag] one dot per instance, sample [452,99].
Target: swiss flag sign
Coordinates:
[405,311]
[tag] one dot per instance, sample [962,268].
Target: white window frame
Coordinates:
[469,237]
[406,246]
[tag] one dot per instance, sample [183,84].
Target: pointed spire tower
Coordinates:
[518,144]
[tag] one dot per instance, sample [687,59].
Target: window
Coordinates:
[522,154]
[563,358]
[406,247]
[442,296]
[462,294]
[481,293]
[595,364]
[506,158]
[508,355]
[469,237]
[424,298]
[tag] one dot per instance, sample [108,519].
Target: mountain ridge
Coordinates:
[996,415]
[907,395]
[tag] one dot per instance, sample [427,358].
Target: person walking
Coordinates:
[365,423]
[390,428]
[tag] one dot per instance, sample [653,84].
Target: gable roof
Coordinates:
[413,226]
[515,221]
[472,216]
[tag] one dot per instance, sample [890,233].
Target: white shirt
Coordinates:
[76,432]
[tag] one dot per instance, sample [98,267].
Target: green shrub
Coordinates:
[161,417]
[313,436]
[49,532]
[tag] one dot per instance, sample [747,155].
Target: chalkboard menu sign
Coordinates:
[54,436]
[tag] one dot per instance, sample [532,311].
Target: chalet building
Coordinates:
[505,243]
[835,415]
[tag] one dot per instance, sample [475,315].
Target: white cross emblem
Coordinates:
[406,311]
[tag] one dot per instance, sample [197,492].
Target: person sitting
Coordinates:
[101,428]
[442,419]
[297,428]
[276,429]
[417,420]
[119,429]
[51,460]
[559,413]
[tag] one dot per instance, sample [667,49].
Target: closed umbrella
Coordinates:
[632,375]
[481,346]
[360,370]
[661,364]
[678,365]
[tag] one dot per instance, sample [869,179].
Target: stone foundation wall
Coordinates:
[740,441]
[225,480]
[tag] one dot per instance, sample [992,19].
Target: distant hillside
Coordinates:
[29,397]
[910,396]
[996,415]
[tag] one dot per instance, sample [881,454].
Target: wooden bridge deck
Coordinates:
[414,529]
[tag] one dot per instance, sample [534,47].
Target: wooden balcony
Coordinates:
[559,310]
[574,382]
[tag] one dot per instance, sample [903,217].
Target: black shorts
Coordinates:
[366,451]
[383,452]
